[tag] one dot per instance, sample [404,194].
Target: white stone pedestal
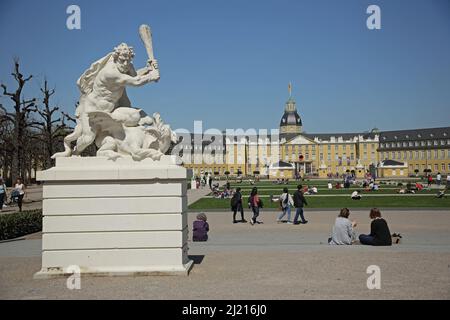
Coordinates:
[118,217]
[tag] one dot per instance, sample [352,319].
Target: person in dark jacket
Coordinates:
[299,202]
[200,228]
[236,205]
[380,235]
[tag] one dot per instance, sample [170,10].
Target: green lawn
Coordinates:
[399,201]
[276,192]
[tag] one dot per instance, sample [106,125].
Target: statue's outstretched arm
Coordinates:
[136,81]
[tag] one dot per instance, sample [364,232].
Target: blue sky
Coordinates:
[229,63]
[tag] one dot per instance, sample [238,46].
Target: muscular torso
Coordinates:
[108,89]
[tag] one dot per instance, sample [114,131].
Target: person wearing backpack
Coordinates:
[236,205]
[255,203]
[286,202]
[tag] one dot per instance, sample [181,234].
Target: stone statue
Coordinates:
[105,115]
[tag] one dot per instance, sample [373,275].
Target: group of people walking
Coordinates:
[17,193]
[286,201]
[254,203]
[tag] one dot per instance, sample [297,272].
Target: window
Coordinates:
[443,166]
[435,142]
[436,167]
[436,154]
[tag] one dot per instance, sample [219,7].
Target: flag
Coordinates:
[290,88]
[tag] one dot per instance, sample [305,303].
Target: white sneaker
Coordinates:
[288,222]
[251,222]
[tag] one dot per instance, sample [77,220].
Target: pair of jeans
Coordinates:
[367,239]
[19,201]
[236,209]
[255,213]
[299,212]
[285,210]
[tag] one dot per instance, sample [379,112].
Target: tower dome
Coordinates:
[290,123]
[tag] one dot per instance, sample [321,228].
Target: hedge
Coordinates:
[18,224]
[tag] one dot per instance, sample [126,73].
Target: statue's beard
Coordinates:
[123,68]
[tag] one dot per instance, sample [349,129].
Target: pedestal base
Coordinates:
[119,271]
[114,218]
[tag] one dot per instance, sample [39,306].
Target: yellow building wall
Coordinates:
[421,159]
[393,173]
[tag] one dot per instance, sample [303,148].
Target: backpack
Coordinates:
[286,200]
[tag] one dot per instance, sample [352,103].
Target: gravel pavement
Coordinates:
[267,261]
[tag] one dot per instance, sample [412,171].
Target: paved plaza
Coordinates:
[267,261]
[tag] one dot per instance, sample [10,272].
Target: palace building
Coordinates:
[291,152]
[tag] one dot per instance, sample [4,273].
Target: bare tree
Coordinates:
[20,120]
[52,130]
[6,147]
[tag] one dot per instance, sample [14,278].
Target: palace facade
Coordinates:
[291,151]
